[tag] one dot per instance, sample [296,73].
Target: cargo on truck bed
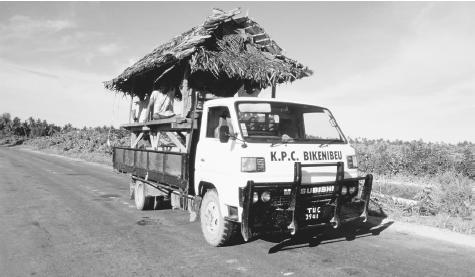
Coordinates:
[239,163]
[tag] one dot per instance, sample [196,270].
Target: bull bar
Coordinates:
[295,201]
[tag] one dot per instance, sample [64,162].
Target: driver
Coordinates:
[253,126]
[224,120]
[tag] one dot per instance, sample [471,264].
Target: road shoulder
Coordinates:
[429,232]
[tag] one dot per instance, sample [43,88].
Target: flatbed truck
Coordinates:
[248,165]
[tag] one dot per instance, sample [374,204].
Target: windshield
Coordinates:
[286,122]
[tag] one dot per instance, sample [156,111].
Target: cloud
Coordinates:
[62,42]
[109,49]
[25,27]
[40,73]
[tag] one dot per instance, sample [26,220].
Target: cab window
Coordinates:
[217,117]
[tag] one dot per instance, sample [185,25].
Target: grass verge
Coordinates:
[443,201]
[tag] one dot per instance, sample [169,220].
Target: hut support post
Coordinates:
[273,91]
[130,108]
[186,93]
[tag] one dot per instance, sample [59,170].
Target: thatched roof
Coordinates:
[223,51]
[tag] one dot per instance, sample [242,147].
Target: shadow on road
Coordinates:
[325,235]
[306,238]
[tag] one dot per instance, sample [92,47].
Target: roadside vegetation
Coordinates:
[427,183]
[92,144]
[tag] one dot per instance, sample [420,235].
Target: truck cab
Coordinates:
[273,165]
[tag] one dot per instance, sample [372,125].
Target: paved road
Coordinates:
[60,217]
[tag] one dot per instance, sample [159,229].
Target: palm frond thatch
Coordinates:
[222,47]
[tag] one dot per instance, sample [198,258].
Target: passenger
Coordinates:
[247,90]
[253,125]
[139,109]
[162,102]
[187,96]
[135,109]
[271,126]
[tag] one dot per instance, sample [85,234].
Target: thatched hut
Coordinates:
[219,56]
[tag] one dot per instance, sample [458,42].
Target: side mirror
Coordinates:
[224,134]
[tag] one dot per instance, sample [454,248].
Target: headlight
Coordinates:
[265,196]
[352,162]
[255,197]
[252,164]
[344,190]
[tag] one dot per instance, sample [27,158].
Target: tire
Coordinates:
[216,230]
[142,201]
[131,189]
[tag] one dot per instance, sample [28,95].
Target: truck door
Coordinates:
[213,160]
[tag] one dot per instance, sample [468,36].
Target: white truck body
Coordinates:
[261,164]
[219,163]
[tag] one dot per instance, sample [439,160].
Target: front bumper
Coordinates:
[295,206]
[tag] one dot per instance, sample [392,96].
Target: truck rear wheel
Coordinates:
[216,230]
[131,189]
[142,201]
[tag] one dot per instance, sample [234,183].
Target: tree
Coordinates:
[16,127]
[5,121]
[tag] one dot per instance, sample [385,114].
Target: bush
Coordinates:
[87,140]
[444,168]
[449,194]
[455,194]
[415,158]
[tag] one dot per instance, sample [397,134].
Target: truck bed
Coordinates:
[161,167]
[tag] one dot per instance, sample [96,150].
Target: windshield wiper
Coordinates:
[332,141]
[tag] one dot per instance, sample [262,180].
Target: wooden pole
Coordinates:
[130,109]
[273,91]
[186,93]
[132,101]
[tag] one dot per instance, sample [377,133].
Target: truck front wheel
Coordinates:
[216,230]
[142,201]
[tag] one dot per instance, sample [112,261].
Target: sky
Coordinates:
[391,70]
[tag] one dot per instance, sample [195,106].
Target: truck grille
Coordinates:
[281,201]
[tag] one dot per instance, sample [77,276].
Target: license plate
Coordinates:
[316,213]
[313,213]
